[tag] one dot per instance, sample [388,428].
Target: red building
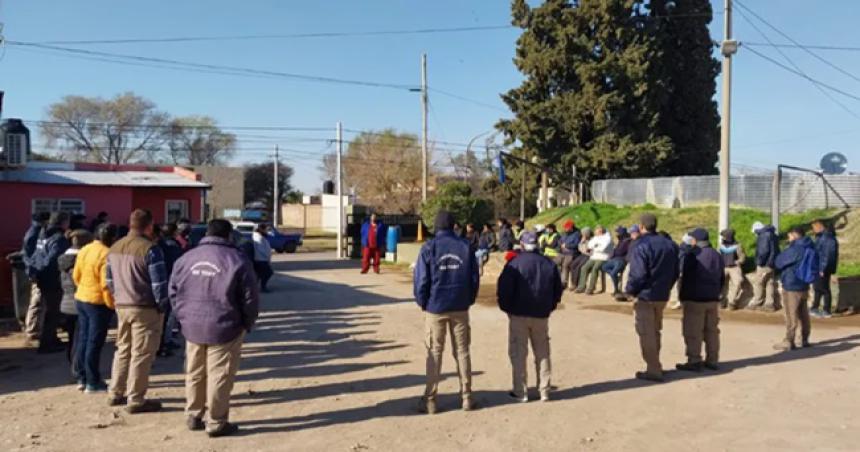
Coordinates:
[170,193]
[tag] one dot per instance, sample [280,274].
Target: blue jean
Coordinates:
[93,323]
[615,268]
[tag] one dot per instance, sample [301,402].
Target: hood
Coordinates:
[768,228]
[216,241]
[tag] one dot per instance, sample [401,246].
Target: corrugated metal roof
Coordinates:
[100,178]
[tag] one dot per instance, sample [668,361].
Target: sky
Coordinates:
[777,116]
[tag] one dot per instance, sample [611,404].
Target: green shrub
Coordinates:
[456,197]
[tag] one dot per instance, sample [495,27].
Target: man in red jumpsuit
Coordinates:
[372,242]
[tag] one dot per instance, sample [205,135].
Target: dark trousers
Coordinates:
[565,262]
[70,323]
[615,268]
[51,298]
[821,286]
[264,272]
[370,256]
[575,267]
[93,323]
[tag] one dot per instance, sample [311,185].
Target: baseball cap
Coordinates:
[529,238]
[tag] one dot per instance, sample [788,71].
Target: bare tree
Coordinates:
[197,140]
[124,129]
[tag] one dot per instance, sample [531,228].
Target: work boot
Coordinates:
[427,406]
[519,398]
[195,424]
[117,400]
[225,430]
[649,377]
[469,404]
[784,346]
[690,367]
[148,406]
[712,366]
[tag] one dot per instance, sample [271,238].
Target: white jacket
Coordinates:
[262,249]
[601,247]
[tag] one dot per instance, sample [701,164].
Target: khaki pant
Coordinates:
[138,335]
[701,323]
[648,316]
[33,322]
[210,371]
[796,312]
[764,288]
[436,327]
[522,330]
[733,285]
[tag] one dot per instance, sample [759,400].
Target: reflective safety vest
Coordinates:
[544,242]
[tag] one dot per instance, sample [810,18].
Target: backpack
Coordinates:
[807,270]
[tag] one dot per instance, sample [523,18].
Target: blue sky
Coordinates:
[778,117]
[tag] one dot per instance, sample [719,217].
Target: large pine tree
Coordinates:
[604,83]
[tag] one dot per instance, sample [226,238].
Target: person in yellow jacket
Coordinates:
[550,243]
[95,306]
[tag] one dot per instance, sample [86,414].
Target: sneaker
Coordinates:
[427,406]
[195,424]
[96,388]
[544,397]
[81,385]
[712,366]
[784,347]
[690,367]
[225,430]
[519,398]
[117,400]
[825,315]
[148,406]
[649,377]
[469,404]
[815,313]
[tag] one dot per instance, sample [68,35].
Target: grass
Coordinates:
[678,221]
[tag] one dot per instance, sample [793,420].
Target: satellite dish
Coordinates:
[834,163]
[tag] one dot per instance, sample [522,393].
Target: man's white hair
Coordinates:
[529,247]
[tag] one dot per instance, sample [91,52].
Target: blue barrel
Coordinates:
[392,238]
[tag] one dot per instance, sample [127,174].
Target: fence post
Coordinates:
[774,201]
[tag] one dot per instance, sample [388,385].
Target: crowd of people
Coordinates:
[541,264]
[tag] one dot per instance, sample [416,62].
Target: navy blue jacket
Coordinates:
[828,251]
[702,274]
[381,229]
[31,240]
[44,265]
[571,243]
[653,268]
[788,261]
[529,286]
[446,275]
[506,238]
[766,247]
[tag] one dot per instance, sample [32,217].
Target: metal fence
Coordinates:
[798,191]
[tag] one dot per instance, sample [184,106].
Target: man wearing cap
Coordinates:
[700,286]
[733,257]
[569,250]
[794,289]
[764,282]
[614,267]
[446,284]
[529,289]
[653,272]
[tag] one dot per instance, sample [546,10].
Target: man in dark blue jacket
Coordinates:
[764,282]
[569,250]
[828,256]
[32,239]
[653,272]
[699,288]
[529,289]
[446,284]
[794,289]
[45,268]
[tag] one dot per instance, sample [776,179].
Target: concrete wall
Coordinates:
[301,216]
[228,188]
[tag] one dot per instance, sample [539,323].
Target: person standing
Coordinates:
[101,218]
[653,272]
[214,294]
[506,236]
[446,284]
[764,282]
[600,247]
[614,267]
[733,259]
[795,287]
[95,304]
[528,290]
[172,251]
[47,272]
[137,276]
[828,256]
[372,243]
[700,286]
[569,251]
[34,239]
[66,264]
[262,255]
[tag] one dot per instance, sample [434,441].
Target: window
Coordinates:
[176,209]
[70,206]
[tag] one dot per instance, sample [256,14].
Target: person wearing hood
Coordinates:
[44,265]
[702,274]
[446,283]
[506,235]
[529,290]
[828,257]
[614,267]
[733,257]
[34,239]
[569,250]
[794,289]
[66,263]
[764,281]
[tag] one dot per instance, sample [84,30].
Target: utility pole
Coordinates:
[339,175]
[423,127]
[544,190]
[523,193]
[573,198]
[276,194]
[728,48]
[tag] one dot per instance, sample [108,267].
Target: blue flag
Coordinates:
[501,164]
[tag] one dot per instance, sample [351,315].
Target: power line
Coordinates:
[466,99]
[167,126]
[803,46]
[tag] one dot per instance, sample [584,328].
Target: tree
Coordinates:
[259,183]
[457,198]
[596,94]
[470,169]
[383,169]
[197,140]
[127,128]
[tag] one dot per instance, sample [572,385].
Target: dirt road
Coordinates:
[336,364]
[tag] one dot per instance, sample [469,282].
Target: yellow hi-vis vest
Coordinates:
[544,241]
